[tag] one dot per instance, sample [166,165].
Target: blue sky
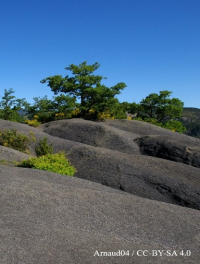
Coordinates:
[151,45]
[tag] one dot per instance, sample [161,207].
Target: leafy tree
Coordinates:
[46,109]
[86,87]
[117,110]
[131,108]
[160,107]
[64,104]
[10,106]
[175,126]
[43,108]
[160,110]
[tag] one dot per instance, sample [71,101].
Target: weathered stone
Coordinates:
[170,149]
[149,177]
[49,218]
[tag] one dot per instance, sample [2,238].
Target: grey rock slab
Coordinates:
[172,149]
[145,129]
[92,133]
[9,154]
[50,218]
[38,134]
[144,176]
[163,143]
[148,177]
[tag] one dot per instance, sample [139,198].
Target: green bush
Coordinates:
[18,141]
[43,148]
[33,122]
[175,126]
[51,162]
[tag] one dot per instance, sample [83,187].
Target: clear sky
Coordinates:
[151,45]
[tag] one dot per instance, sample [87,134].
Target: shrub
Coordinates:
[101,116]
[138,119]
[51,162]
[11,115]
[34,122]
[76,112]
[175,126]
[18,141]
[43,148]
[105,115]
[46,116]
[59,116]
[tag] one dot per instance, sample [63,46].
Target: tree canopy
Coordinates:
[82,94]
[85,86]
[160,110]
[9,106]
[161,107]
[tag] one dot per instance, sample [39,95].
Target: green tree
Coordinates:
[160,110]
[131,108]
[46,109]
[174,125]
[160,107]
[10,106]
[42,107]
[86,87]
[64,104]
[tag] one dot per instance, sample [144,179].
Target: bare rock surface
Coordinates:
[172,149]
[131,137]
[149,177]
[8,154]
[143,176]
[158,142]
[149,206]
[143,129]
[49,218]
[96,134]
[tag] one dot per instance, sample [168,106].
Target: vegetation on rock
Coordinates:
[43,148]
[57,163]
[161,110]
[45,159]
[15,140]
